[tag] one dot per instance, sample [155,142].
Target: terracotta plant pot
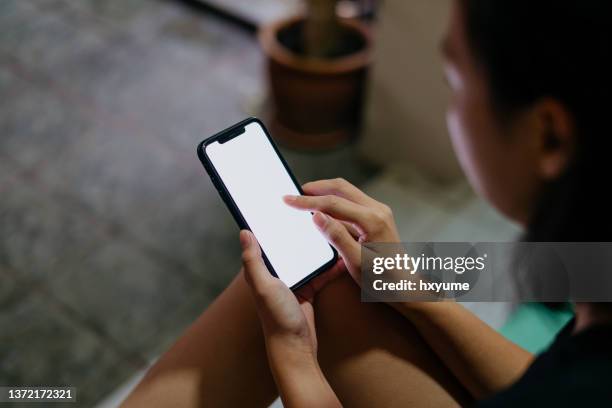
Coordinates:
[315,102]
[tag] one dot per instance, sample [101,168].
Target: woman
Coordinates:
[530,82]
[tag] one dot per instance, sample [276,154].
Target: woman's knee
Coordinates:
[371,354]
[344,320]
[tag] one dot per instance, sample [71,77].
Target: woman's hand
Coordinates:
[282,313]
[347,217]
[288,324]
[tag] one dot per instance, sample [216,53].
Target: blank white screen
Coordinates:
[257,181]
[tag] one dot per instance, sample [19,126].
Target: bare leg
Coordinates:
[219,362]
[373,356]
[370,354]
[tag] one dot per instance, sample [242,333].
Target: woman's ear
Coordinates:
[556,138]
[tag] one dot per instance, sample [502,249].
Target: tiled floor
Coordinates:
[111,237]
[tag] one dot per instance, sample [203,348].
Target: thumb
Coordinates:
[255,271]
[337,235]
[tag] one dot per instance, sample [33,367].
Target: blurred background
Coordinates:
[113,239]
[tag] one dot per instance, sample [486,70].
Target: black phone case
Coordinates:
[228,134]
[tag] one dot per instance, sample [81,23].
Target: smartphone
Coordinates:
[252,177]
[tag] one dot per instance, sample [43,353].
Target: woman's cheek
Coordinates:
[457,134]
[462,144]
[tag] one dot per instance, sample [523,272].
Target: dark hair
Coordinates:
[531,49]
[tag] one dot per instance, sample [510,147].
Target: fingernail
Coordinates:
[245,239]
[320,219]
[289,199]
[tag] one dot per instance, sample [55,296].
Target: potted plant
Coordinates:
[317,66]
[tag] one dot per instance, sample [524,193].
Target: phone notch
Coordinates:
[232,134]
